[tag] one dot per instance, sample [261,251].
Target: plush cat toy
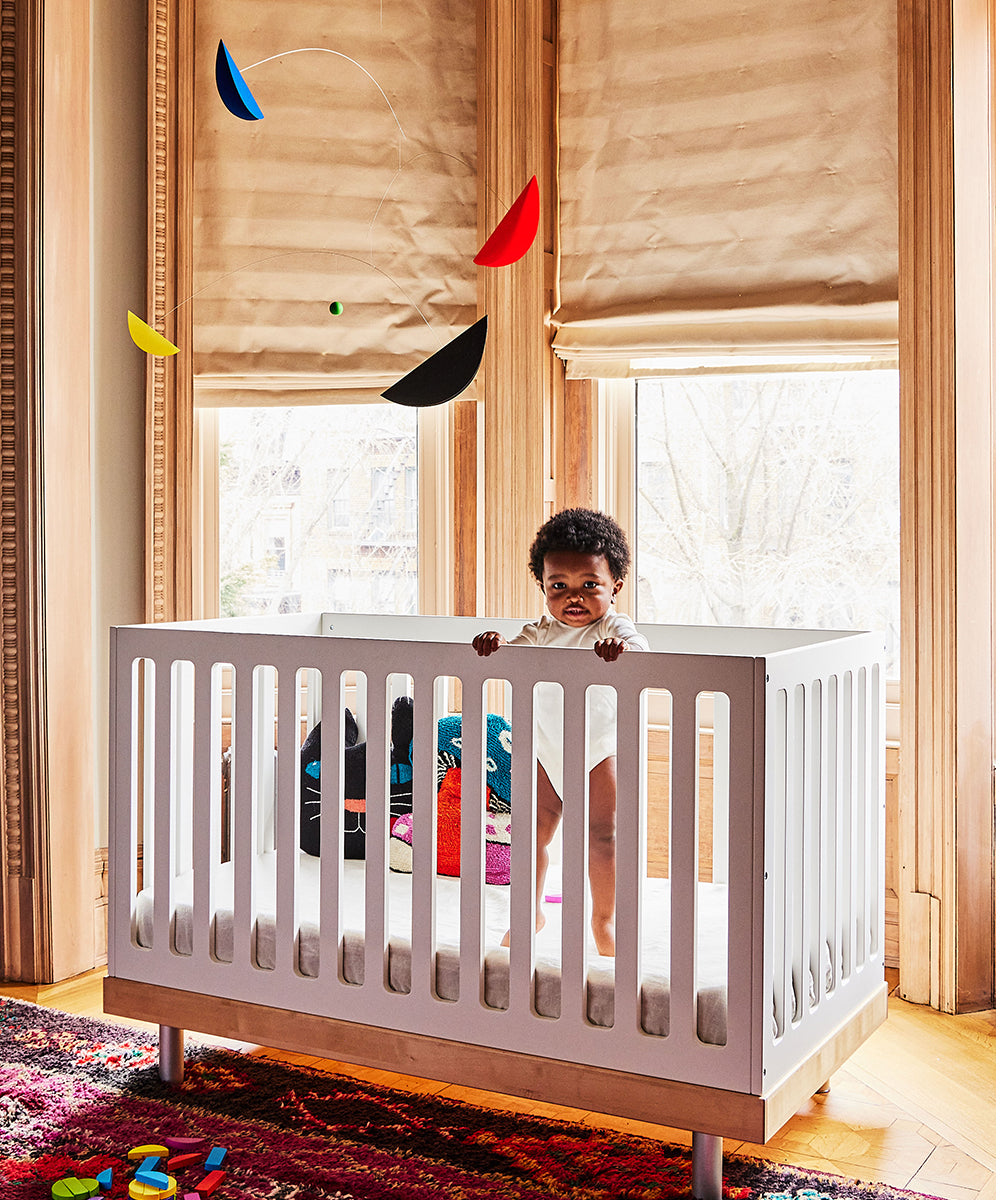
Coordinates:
[400,779]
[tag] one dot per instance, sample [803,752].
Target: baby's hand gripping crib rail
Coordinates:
[741,981]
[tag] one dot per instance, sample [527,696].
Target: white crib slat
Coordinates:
[744,865]
[843,819]
[720,788]
[775,866]
[123,772]
[376,804]
[630,858]
[243,797]
[876,814]
[163,801]
[207,769]
[828,851]
[182,763]
[792,983]
[825,851]
[811,867]
[285,819]
[331,808]
[422,975]
[523,850]
[862,846]
[575,822]
[854,867]
[683,864]
[472,854]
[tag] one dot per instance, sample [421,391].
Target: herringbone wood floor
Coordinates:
[914,1108]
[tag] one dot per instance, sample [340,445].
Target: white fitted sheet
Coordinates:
[655,992]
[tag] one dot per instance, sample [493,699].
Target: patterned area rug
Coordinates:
[76,1095]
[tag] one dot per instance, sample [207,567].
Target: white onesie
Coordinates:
[602,701]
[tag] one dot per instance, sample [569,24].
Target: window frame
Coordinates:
[616,474]
[770,366]
[434,512]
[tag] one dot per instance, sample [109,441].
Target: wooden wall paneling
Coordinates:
[513,377]
[974,148]
[577,475]
[465,508]
[915,364]
[946,421]
[555,368]
[66,465]
[47,836]
[169,381]
[892,886]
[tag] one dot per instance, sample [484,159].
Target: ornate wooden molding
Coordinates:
[169,381]
[9,497]
[25,940]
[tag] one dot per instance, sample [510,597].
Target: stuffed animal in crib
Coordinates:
[496,808]
[400,779]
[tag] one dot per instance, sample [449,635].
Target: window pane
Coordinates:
[317,511]
[770,500]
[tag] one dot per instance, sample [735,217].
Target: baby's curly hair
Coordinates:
[585,532]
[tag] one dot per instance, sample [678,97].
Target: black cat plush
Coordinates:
[400,779]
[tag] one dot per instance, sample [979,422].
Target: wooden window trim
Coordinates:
[47,822]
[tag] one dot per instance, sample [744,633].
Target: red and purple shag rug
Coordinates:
[76,1095]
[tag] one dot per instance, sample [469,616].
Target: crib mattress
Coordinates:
[655,991]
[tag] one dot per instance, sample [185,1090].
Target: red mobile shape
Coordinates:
[516,231]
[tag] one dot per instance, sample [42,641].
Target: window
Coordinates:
[383,507]
[770,499]
[298,534]
[278,556]
[338,498]
[410,499]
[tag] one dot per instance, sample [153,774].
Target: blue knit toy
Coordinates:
[498,742]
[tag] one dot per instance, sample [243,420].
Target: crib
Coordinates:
[749,959]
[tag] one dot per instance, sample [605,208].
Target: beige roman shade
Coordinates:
[339,193]
[727,178]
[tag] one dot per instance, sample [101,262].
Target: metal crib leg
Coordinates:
[171,1064]
[706,1166]
[823,1089]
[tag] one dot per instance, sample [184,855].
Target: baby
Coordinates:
[580,559]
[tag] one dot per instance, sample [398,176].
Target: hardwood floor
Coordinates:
[914,1108]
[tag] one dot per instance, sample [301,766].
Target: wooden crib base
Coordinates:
[664,1102]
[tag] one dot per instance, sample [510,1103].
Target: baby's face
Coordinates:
[578,588]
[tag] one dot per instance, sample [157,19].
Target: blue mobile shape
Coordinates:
[236,96]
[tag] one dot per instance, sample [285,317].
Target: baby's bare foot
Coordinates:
[539,923]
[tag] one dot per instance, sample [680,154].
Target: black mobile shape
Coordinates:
[444,375]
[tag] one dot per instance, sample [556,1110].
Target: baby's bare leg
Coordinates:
[603,799]
[547,818]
